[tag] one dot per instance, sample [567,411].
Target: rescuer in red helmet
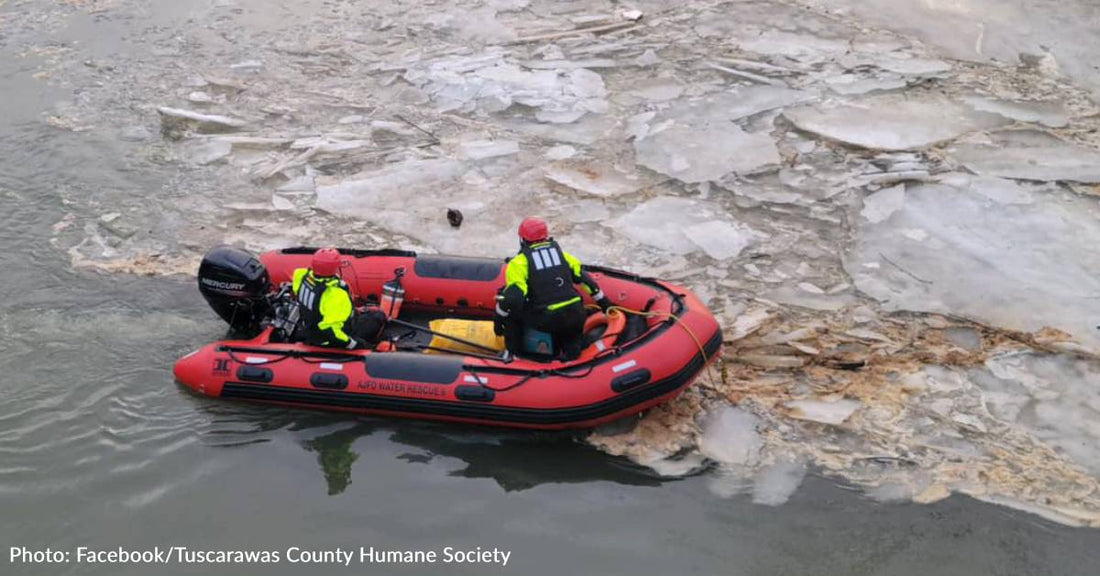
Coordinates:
[327,315]
[539,292]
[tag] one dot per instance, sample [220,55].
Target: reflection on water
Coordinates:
[516,461]
[521,460]
[335,455]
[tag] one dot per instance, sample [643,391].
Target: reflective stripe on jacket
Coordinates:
[543,274]
[326,306]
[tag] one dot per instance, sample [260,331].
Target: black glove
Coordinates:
[604,303]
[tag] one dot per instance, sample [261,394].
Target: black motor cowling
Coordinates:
[235,284]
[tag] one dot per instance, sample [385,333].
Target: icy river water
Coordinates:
[900,468]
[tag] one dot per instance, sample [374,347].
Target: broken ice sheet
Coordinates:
[204,152]
[912,66]
[775,484]
[697,141]
[485,149]
[719,239]
[1056,398]
[410,199]
[808,48]
[1052,114]
[1012,265]
[366,193]
[730,437]
[880,205]
[851,85]
[892,122]
[999,190]
[596,179]
[794,296]
[489,83]
[703,152]
[657,90]
[1031,155]
[473,25]
[834,411]
[681,226]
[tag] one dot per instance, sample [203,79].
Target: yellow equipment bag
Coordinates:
[476,331]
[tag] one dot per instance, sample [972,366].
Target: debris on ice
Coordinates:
[175,120]
[912,66]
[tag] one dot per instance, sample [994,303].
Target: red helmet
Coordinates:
[326,262]
[533,229]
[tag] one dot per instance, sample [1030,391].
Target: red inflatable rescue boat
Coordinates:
[652,345]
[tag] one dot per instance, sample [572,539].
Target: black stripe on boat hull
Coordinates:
[477,411]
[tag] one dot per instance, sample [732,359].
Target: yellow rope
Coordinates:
[698,343]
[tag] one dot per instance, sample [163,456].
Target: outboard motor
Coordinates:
[235,284]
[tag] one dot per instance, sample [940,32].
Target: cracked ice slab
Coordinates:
[1031,155]
[1056,398]
[697,141]
[489,83]
[880,205]
[834,411]
[1052,114]
[681,226]
[593,178]
[365,195]
[693,152]
[892,122]
[730,436]
[993,255]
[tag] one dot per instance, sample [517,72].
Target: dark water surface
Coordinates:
[99,447]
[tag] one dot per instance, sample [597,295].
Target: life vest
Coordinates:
[549,277]
[310,293]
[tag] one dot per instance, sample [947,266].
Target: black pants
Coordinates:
[564,325]
[366,326]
